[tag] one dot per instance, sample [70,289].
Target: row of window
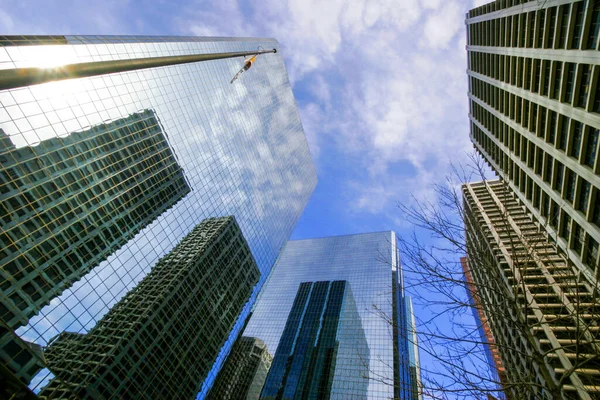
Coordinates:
[566,183]
[112,151]
[495,6]
[563,133]
[566,82]
[569,26]
[540,162]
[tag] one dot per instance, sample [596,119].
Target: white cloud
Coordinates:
[442,25]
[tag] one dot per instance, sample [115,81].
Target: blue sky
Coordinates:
[380,86]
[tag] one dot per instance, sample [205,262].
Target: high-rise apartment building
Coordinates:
[492,355]
[534,98]
[243,374]
[323,325]
[371,362]
[111,165]
[148,345]
[540,309]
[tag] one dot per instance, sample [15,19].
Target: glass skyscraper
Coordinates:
[111,172]
[372,359]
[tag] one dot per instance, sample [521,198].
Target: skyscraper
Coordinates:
[239,148]
[541,311]
[71,203]
[368,264]
[534,98]
[323,325]
[492,355]
[413,352]
[243,374]
[161,340]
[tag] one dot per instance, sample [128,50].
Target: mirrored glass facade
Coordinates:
[372,359]
[102,177]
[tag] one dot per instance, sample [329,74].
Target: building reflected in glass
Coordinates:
[297,310]
[243,374]
[104,176]
[70,203]
[145,346]
[322,326]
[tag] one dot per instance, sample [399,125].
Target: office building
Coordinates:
[322,326]
[243,374]
[534,98]
[539,307]
[161,340]
[369,266]
[231,149]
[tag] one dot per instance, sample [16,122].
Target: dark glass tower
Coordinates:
[161,340]
[244,372]
[305,363]
[68,204]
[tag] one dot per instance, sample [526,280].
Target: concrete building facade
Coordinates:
[534,108]
[540,310]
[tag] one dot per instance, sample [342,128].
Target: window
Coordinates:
[576,136]
[570,82]
[542,125]
[557,79]
[592,252]
[531,30]
[596,208]
[551,27]
[591,145]
[578,10]
[577,238]
[545,204]
[560,170]
[564,131]
[596,91]
[520,64]
[584,86]
[537,69]
[584,196]
[539,158]
[592,39]
[554,214]
[522,30]
[541,17]
[552,128]
[565,226]
[546,84]
[548,170]
[563,26]
[570,189]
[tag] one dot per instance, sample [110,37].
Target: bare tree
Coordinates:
[540,312]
